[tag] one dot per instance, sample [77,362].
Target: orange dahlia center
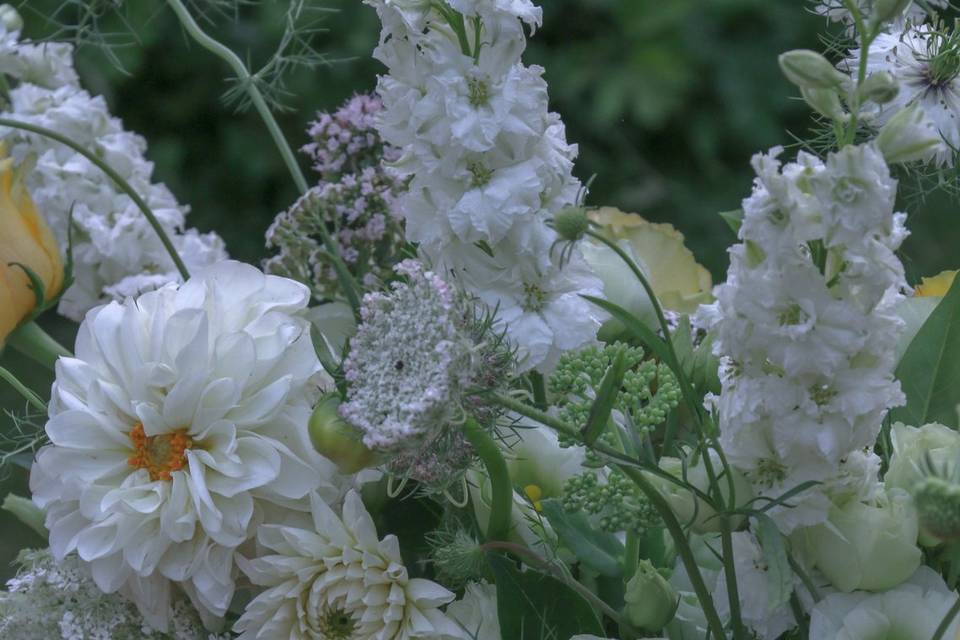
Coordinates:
[160,455]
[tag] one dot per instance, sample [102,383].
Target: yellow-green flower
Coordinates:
[26,242]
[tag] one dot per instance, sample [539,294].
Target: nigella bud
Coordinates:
[571,223]
[826,102]
[880,87]
[10,18]
[886,10]
[909,136]
[650,601]
[810,70]
[336,439]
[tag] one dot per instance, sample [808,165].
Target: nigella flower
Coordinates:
[925,61]
[181,419]
[338,580]
[416,366]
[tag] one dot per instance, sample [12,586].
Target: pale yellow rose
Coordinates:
[25,239]
[936,286]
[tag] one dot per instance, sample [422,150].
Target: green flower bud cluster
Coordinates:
[648,393]
[617,502]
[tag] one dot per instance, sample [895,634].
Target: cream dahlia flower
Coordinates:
[182,418]
[339,581]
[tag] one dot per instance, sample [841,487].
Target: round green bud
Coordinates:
[650,601]
[909,136]
[571,223]
[10,18]
[880,87]
[938,508]
[337,440]
[810,70]
[886,10]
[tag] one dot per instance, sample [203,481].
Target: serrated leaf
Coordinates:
[534,606]
[929,371]
[599,550]
[779,573]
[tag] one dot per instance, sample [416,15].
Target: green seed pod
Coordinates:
[650,600]
[337,440]
[880,87]
[810,70]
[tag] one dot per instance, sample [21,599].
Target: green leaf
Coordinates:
[637,328]
[601,551]
[733,219]
[914,312]
[779,573]
[36,284]
[535,606]
[929,371]
[607,394]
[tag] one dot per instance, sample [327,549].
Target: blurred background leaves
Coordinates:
[668,100]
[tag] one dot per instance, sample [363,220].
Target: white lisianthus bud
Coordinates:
[909,136]
[689,508]
[650,601]
[826,102]
[810,70]
[880,87]
[870,547]
[10,18]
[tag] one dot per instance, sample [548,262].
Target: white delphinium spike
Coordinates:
[925,62]
[338,579]
[181,421]
[116,252]
[490,165]
[806,328]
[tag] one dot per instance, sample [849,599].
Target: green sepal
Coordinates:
[599,550]
[36,285]
[734,219]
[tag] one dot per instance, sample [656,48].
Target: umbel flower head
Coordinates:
[416,366]
[182,417]
[339,581]
[27,247]
[60,601]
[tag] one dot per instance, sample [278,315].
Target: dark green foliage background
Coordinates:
[668,100]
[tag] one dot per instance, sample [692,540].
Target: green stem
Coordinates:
[113,175]
[539,390]
[730,573]
[32,398]
[866,39]
[35,343]
[347,282]
[501,508]
[947,621]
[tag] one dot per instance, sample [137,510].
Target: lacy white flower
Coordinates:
[420,356]
[912,610]
[339,580]
[476,611]
[489,165]
[47,601]
[807,328]
[116,252]
[181,419]
[924,61]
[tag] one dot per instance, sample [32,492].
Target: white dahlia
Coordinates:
[339,581]
[182,417]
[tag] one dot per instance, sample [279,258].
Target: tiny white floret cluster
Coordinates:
[178,426]
[115,250]
[490,165]
[806,329]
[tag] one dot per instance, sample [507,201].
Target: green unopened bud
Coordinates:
[26,512]
[336,439]
[886,10]
[571,223]
[810,70]
[826,102]
[650,601]
[909,136]
[938,507]
[880,87]
[10,18]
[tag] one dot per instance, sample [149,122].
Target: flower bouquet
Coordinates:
[460,400]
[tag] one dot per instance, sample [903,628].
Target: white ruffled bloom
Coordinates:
[914,609]
[489,165]
[181,421]
[337,579]
[476,611]
[116,251]
[910,53]
[807,329]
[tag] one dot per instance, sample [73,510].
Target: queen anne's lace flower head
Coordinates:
[115,250]
[59,601]
[339,581]
[181,419]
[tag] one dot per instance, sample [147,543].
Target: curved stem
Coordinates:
[38,345]
[347,282]
[947,621]
[501,508]
[730,574]
[32,398]
[113,175]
